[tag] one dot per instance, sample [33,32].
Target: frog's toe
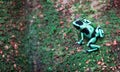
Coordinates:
[80,43]
[85,51]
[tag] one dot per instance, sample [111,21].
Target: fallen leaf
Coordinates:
[77,16]
[69,20]
[13,36]
[79,49]
[72,52]
[33,17]
[31,21]
[1,2]
[118,66]
[117,31]
[61,22]
[104,66]
[15,65]
[87,61]
[102,63]
[115,42]
[6,47]
[99,62]
[64,34]
[38,6]
[41,15]
[3,56]
[95,16]
[94,4]
[21,28]
[113,68]
[107,22]
[1,51]
[102,59]
[62,26]
[76,71]
[66,48]
[60,1]
[65,1]
[108,44]
[60,9]
[88,70]
[14,45]
[16,52]
[0,25]
[34,62]
[116,3]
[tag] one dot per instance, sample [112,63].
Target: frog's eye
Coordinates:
[79,22]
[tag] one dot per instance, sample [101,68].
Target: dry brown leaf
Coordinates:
[107,22]
[3,56]
[1,52]
[94,3]
[66,48]
[79,49]
[118,66]
[108,44]
[14,45]
[115,42]
[99,62]
[6,47]
[15,65]
[65,1]
[118,31]
[87,61]
[61,22]
[16,52]
[13,36]
[77,16]
[0,25]
[102,63]
[64,34]
[72,52]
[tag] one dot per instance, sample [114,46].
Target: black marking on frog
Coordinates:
[79,22]
[76,27]
[86,31]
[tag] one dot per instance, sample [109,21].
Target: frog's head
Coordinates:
[77,24]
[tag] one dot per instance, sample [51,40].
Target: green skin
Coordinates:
[87,30]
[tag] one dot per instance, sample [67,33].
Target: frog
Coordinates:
[89,31]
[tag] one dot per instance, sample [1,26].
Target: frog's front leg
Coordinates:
[93,46]
[80,42]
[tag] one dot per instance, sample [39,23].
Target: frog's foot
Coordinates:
[80,43]
[84,51]
[92,50]
[89,51]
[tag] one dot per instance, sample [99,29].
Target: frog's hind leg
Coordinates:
[93,46]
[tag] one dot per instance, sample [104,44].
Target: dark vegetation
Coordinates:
[38,36]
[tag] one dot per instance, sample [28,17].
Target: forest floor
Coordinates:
[45,41]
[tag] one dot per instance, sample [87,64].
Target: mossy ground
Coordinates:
[47,45]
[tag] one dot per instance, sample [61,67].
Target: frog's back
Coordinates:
[88,31]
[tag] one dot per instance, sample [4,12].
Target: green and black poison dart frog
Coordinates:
[90,32]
